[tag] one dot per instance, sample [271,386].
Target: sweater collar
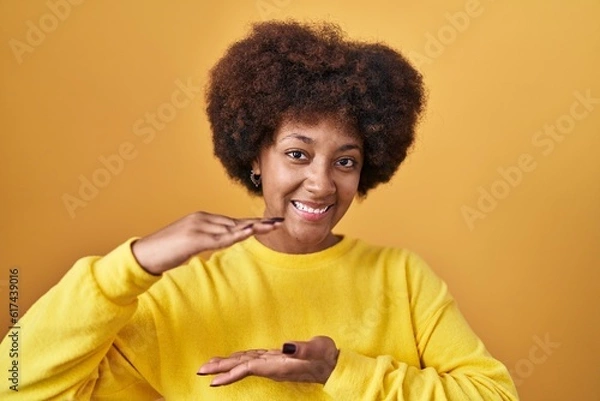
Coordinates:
[296,261]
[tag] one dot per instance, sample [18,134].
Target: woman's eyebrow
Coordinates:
[300,137]
[310,141]
[349,146]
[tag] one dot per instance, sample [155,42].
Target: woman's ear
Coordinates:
[256,166]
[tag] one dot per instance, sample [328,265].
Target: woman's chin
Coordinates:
[301,234]
[311,240]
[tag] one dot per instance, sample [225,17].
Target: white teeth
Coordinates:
[304,208]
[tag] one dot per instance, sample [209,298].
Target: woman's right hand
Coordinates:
[176,243]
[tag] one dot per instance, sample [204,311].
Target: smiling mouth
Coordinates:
[307,209]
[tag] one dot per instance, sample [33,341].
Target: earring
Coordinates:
[255,178]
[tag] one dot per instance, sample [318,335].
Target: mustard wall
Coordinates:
[104,137]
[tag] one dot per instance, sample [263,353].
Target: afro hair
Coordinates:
[295,70]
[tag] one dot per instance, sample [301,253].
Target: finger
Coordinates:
[236,374]
[220,228]
[230,221]
[240,354]
[223,240]
[275,367]
[214,228]
[255,227]
[258,351]
[219,219]
[320,347]
[265,367]
[218,225]
[263,220]
[220,364]
[247,220]
[230,237]
[266,225]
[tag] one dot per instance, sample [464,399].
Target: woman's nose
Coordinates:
[320,180]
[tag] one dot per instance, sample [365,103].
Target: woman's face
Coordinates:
[310,176]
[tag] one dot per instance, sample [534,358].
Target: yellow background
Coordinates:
[527,272]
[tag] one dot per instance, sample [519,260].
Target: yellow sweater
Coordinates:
[111,331]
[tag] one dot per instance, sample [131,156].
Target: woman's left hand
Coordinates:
[298,361]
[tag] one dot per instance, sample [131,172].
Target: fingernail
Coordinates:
[289,348]
[272,220]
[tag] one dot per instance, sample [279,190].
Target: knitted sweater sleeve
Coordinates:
[67,341]
[454,362]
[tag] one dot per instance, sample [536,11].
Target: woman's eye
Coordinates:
[346,162]
[295,154]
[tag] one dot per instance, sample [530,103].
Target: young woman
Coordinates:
[286,309]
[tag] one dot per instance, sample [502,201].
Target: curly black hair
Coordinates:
[290,69]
